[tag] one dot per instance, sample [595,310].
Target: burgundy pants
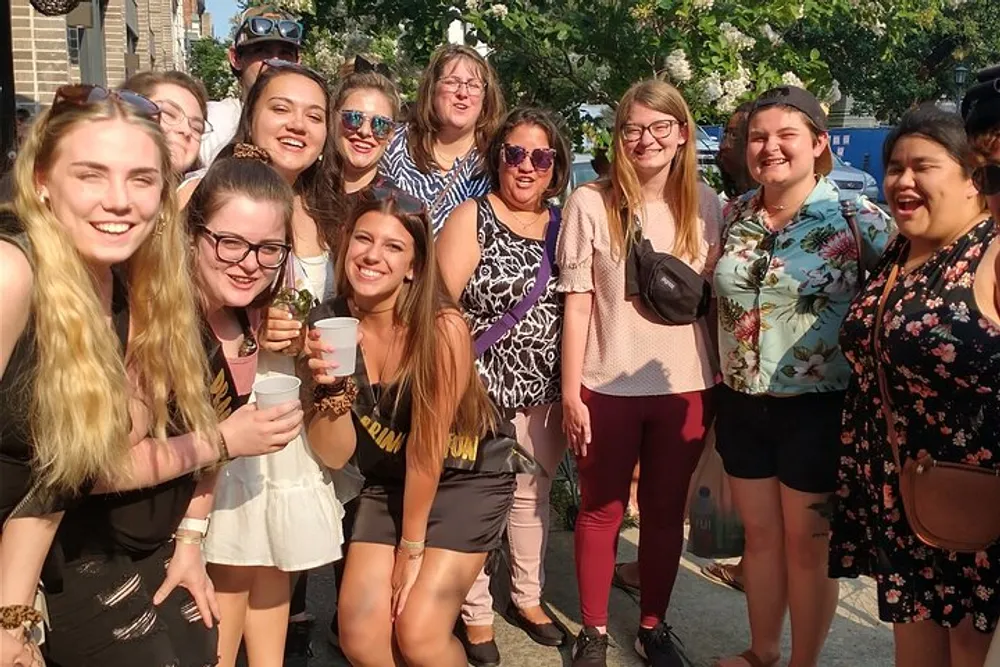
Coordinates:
[666,435]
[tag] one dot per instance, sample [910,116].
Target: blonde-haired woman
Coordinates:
[438,157]
[634,388]
[93,262]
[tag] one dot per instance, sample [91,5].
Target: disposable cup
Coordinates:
[340,333]
[276,390]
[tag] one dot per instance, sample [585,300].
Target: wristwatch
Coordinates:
[199,526]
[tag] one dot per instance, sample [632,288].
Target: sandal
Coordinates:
[754,660]
[722,574]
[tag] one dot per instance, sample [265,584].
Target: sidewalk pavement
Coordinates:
[709,618]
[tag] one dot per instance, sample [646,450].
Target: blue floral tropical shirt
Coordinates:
[783,295]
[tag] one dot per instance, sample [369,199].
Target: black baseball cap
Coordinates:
[981,106]
[802,100]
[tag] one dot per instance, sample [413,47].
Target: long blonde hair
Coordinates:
[79,415]
[427,371]
[622,191]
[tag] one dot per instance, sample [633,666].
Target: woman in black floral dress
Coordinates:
[941,357]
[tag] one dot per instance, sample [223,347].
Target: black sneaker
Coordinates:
[590,649]
[297,644]
[657,646]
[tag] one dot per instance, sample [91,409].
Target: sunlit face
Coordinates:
[379,257]
[105,185]
[456,105]
[925,187]
[651,154]
[523,186]
[781,149]
[179,111]
[360,148]
[250,59]
[289,122]
[236,285]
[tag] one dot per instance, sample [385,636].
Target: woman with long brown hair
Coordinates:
[436,492]
[438,157]
[634,388]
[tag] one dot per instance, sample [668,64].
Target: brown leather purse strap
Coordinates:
[883,383]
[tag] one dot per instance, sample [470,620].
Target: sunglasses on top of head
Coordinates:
[542,159]
[353,121]
[262,27]
[406,202]
[987,179]
[82,94]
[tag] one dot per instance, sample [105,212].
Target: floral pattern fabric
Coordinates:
[941,357]
[783,295]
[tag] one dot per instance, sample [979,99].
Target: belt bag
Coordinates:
[950,506]
[667,286]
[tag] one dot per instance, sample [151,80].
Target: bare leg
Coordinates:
[364,606]
[921,644]
[968,646]
[232,589]
[812,595]
[267,617]
[424,630]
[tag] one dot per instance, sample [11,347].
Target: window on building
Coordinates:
[74,36]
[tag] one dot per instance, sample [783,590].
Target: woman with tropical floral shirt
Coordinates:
[789,269]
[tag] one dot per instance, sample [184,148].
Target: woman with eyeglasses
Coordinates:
[633,387]
[276,515]
[96,281]
[415,416]
[791,264]
[183,104]
[438,156]
[490,252]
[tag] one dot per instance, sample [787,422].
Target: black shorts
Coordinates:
[104,616]
[468,514]
[796,439]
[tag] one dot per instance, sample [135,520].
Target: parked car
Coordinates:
[851,181]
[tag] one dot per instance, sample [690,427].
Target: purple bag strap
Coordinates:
[510,319]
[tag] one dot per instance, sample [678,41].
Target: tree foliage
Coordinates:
[208,61]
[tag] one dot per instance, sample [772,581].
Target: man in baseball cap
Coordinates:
[804,101]
[981,111]
[265,32]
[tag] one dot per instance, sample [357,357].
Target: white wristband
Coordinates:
[199,526]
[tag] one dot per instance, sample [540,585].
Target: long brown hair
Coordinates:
[425,124]
[622,192]
[427,370]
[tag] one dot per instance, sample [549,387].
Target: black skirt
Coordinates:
[468,513]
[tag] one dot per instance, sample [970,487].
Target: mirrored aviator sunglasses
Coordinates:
[262,26]
[987,179]
[542,159]
[353,121]
[82,94]
[406,202]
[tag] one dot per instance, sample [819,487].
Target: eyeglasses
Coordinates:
[541,158]
[233,249]
[262,26]
[661,129]
[172,116]
[406,202]
[473,87]
[987,179]
[82,94]
[353,121]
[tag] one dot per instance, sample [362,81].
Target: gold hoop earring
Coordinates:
[161,223]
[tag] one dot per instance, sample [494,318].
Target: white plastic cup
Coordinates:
[276,390]
[340,333]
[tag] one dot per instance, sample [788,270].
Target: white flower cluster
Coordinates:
[771,35]
[789,79]
[711,88]
[678,66]
[735,37]
[702,5]
[732,90]
[298,6]
[955,4]
[878,27]
[471,5]
[500,11]
[602,73]
[833,95]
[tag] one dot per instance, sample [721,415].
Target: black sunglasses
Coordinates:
[233,249]
[353,121]
[82,94]
[542,159]
[987,179]
[262,27]
[406,202]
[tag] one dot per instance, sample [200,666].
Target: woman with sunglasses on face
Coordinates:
[923,342]
[490,253]
[276,515]
[438,157]
[634,388]
[790,266]
[183,104]
[94,265]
